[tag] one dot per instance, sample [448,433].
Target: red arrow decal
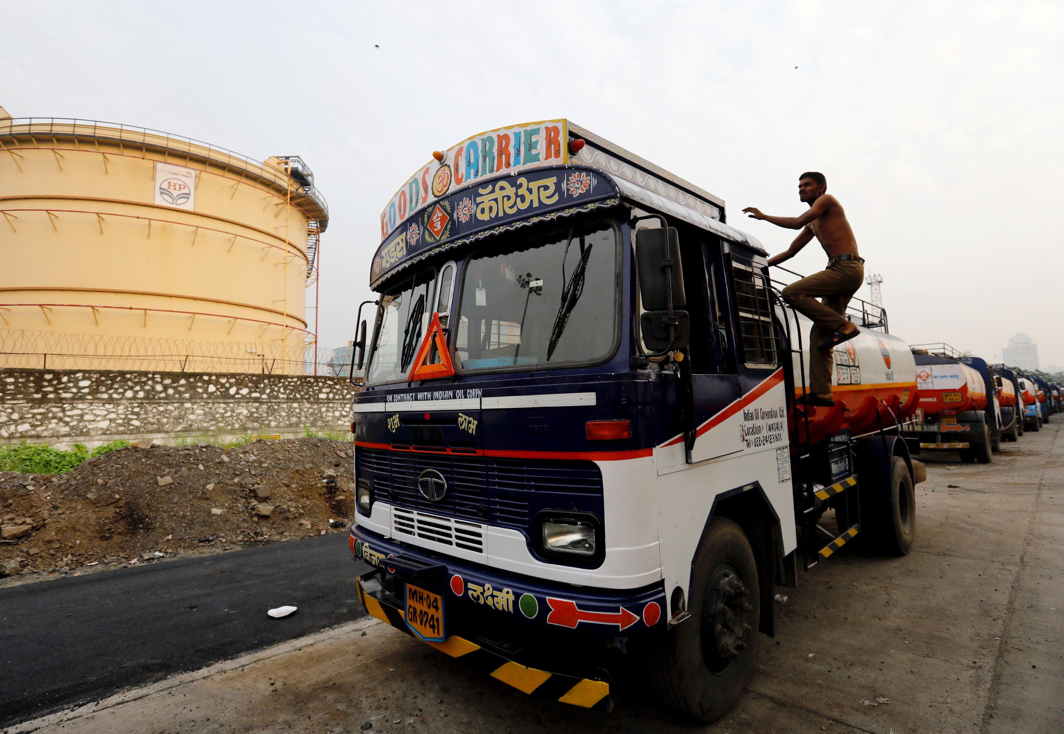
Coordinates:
[565,613]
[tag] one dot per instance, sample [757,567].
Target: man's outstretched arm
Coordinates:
[800,241]
[819,207]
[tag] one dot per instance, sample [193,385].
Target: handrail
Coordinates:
[941,349]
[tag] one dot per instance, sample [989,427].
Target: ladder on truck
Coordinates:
[819,487]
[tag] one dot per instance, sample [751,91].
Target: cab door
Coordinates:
[715,383]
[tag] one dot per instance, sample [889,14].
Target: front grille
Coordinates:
[492,491]
[458,533]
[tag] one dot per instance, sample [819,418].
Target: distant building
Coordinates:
[340,362]
[1022,352]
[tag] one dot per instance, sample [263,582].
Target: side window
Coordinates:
[718,309]
[445,290]
[753,301]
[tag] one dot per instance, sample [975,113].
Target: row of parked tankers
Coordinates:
[966,405]
[961,402]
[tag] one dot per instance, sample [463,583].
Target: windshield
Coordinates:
[542,300]
[541,303]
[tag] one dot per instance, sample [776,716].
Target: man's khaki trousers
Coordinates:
[835,287]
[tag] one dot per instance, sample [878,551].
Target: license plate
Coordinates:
[424,613]
[951,397]
[949,419]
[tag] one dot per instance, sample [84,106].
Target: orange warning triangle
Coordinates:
[433,337]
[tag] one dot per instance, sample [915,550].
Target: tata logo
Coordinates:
[432,485]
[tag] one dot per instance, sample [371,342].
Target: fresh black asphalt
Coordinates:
[76,639]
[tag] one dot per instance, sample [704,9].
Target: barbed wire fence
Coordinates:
[25,349]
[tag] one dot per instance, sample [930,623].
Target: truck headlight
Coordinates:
[364,496]
[578,537]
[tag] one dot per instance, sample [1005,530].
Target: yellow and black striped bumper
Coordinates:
[583,692]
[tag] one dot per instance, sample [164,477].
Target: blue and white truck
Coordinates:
[578,439]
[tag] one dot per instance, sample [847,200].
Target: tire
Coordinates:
[995,441]
[1036,424]
[981,448]
[1019,424]
[1013,434]
[701,673]
[890,516]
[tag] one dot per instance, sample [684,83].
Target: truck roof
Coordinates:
[582,132]
[511,176]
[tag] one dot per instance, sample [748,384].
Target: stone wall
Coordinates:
[62,406]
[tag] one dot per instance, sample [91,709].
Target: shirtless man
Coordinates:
[825,220]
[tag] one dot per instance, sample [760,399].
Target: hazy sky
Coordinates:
[940,125]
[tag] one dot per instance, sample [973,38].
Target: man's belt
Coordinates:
[841,258]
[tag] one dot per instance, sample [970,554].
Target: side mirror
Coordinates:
[665,330]
[360,345]
[657,254]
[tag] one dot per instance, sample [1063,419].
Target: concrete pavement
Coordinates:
[963,635]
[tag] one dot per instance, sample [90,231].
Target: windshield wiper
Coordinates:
[412,332]
[574,288]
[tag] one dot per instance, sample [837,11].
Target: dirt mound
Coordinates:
[140,504]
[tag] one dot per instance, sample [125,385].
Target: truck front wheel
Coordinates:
[707,662]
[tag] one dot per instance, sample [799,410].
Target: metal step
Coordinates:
[837,488]
[840,541]
[825,493]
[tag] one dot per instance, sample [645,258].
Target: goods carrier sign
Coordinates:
[506,150]
[496,203]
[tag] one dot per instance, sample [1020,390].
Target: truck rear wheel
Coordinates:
[1012,435]
[889,517]
[707,662]
[1036,424]
[981,447]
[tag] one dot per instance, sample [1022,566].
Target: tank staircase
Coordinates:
[313,240]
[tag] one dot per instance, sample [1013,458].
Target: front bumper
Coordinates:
[546,640]
[589,693]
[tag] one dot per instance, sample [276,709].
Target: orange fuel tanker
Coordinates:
[1028,391]
[948,387]
[873,385]
[1006,394]
[959,404]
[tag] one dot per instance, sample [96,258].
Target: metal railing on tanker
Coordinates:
[939,349]
[863,313]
